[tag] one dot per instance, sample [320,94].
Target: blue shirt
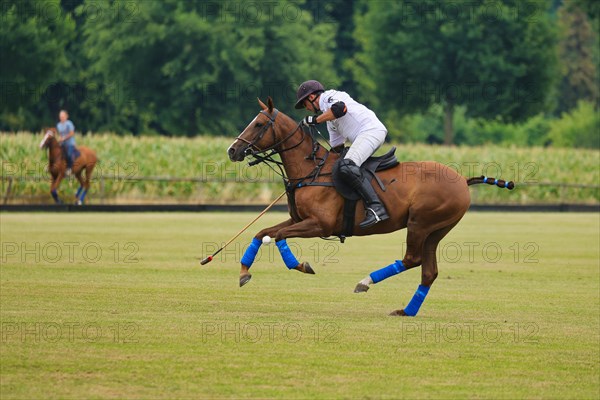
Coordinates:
[64,128]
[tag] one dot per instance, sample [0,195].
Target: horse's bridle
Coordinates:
[261,154]
[266,155]
[48,134]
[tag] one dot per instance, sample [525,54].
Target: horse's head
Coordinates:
[49,134]
[259,136]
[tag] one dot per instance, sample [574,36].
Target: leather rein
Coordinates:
[266,155]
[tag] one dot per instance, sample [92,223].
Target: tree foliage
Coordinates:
[578,72]
[485,55]
[476,70]
[190,67]
[578,128]
[34,34]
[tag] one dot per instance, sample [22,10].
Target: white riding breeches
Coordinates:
[365,145]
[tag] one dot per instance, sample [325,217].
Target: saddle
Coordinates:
[351,197]
[369,167]
[76,153]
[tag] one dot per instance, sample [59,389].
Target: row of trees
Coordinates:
[196,67]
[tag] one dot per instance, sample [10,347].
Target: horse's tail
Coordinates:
[510,185]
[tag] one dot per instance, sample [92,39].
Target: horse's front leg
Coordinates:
[54,187]
[250,254]
[308,228]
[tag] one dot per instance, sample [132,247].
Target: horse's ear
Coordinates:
[262,105]
[270,103]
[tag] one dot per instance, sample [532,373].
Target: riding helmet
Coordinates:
[306,89]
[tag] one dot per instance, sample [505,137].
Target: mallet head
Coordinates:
[206,260]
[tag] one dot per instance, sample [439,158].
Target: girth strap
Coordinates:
[348,219]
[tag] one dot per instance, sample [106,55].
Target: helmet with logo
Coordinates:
[306,89]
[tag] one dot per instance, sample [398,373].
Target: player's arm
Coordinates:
[71,131]
[336,111]
[69,135]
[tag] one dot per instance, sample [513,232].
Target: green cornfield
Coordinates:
[197,170]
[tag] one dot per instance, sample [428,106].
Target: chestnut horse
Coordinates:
[426,197]
[58,165]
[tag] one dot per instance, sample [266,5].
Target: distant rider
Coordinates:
[66,130]
[348,120]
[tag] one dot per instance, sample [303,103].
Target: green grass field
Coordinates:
[117,306]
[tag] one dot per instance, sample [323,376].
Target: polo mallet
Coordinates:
[210,258]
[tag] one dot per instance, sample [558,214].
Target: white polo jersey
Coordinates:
[358,118]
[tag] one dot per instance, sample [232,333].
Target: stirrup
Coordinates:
[365,224]
[377,218]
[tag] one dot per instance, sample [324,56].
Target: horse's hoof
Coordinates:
[398,313]
[245,279]
[306,268]
[361,288]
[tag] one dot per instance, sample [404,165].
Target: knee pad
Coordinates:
[349,168]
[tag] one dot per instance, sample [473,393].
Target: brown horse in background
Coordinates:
[58,165]
[427,197]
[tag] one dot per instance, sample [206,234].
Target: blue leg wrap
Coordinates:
[83,195]
[250,253]
[288,258]
[415,303]
[54,195]
[386,272]
[79,191]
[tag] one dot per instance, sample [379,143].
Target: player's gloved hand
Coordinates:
[310,120]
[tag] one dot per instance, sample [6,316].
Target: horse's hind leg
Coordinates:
[81,185]
[429,272]
[414,250]
[86,184]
